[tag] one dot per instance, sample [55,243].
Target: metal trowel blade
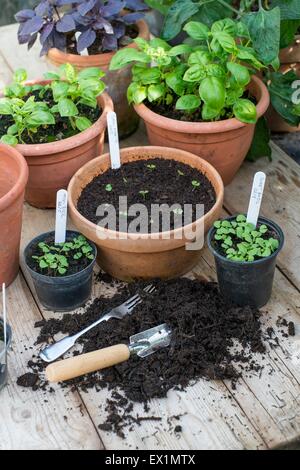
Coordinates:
[149,341]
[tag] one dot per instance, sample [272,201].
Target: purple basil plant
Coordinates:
[54,20]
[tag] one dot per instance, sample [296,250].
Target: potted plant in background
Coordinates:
[144,255]
[58,124]
[245,258]
[61,273]
[87,34]
[13,179]
[200,97]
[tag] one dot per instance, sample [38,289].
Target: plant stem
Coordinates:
[234,10]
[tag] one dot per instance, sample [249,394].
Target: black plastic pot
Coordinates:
[3,355]
[62,293]
[249,282]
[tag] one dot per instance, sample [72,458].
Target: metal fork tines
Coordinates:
[54,351]
[127,307]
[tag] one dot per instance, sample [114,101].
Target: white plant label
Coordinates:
[85,51]
[4,314]
[61,216]
[113,137]
[256,197]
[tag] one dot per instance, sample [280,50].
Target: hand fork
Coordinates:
[54,351]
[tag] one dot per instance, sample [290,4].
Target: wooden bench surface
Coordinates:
[262,412]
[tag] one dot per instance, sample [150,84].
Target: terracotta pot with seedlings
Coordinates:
[58,125]
[13,179]
[203,101]
[148,175]
[245,258]
[61,273]
[100,29]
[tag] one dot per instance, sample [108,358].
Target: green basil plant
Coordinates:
[212,74]
[32,108]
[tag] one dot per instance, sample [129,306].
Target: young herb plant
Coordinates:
[55,21]
[32,109]
[144,193]
[241,241]
[210,75]
[55,259]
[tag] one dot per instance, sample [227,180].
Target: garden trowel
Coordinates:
[142,344]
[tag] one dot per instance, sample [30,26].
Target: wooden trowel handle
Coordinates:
[85,363]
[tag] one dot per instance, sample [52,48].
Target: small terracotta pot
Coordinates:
[13,179]
[147,256]
[117,81]
[52,165]
[224,144]
[290,60]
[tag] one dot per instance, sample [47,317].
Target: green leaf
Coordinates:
[226,42]
[199,57]
[12,130]
[264,28]
[247,54]
[91,72]
[147,75]
[66,108]
[68,71]
[155,92]
[59,89]
[227,25]
[136,93]
[20,75]
[179,50]
[51,76]
[240,73]
[260,144]
[43,264]
[288,29]
[175,82]
[158,42]
[127,56]
[6,106]
[289,9]
[9,140]
[212,92]
[82,123]
[195,73]
[245,111]
[62,270]
[188,103]
[197,30]
[209,113]
[176,16]
[281,93]
[40,118]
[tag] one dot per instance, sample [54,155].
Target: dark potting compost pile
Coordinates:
[210,339]
[147,182]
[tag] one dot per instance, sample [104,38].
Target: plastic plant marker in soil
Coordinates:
[256,197]
[147,182]
[61,216]
[113,138]
[211,338]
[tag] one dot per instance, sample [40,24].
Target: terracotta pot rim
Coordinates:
[205,127]
[209,169]
[95,59]
[19,186]
[37,150]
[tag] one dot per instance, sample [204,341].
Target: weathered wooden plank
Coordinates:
[271,399]
[37,420]
[207,409]
[281,202]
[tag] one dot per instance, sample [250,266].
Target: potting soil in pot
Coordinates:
[211,339]
[147,182]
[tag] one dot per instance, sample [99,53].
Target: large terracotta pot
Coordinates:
[129,256]
[117,81]
[13,179]
[52,165]
[224,144]
[289,60]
